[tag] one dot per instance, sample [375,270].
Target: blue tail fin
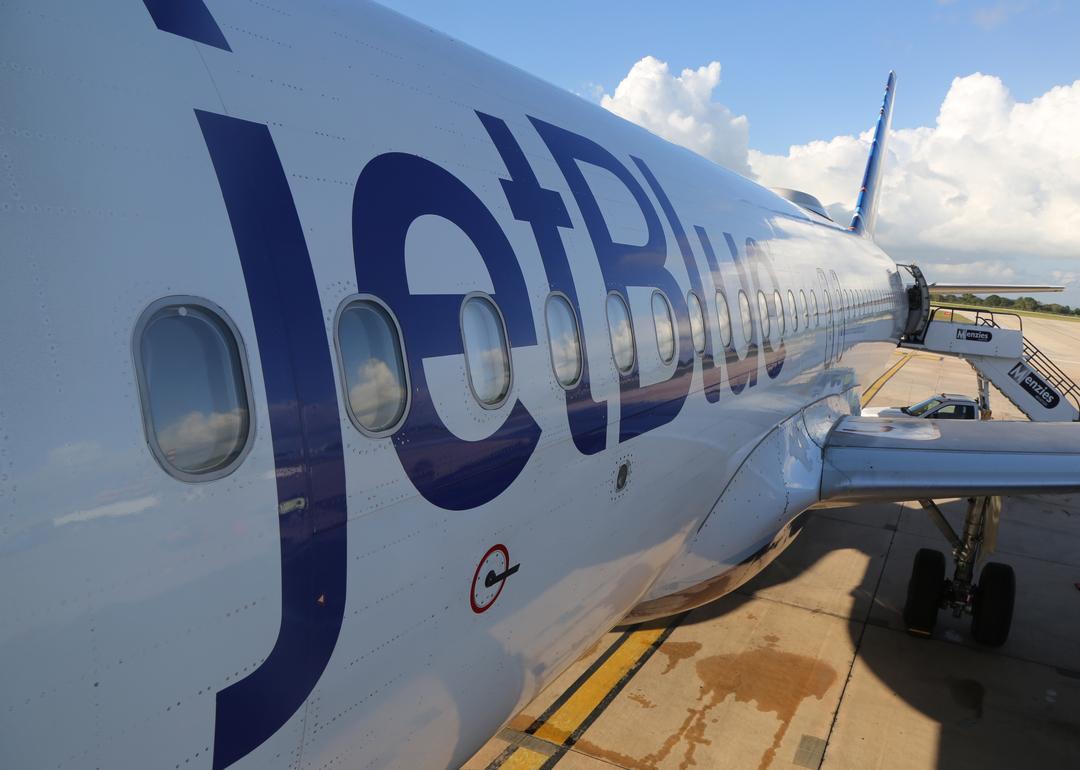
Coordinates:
[865,216]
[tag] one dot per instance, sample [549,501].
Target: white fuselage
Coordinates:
[318,601]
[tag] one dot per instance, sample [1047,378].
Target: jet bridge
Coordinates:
[1000,355]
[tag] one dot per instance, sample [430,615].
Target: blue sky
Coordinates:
[982,182]
[799,71]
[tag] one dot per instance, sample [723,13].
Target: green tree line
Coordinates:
[1021,303]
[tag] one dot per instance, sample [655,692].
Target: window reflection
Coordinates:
[373,366]
[697,322]
[665,330]
[486,355]
[763,315]
[723,316]
[193,389]
[745,317]
[622,333]
[564,341]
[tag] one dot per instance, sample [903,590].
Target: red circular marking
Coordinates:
[476,576]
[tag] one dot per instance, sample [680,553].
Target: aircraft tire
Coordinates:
[924,592]
[992,609]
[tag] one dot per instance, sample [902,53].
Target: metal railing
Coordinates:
[1033,357]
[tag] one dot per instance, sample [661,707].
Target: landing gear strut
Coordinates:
[989,602]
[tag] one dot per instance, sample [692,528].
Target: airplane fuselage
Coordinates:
[382,582]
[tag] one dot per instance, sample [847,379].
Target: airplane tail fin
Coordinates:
[865,216]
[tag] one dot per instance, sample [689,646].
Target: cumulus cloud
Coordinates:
[681,109]
[378,396]
[993,175]
[994,180]
[200,440]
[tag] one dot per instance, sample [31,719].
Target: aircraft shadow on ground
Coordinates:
[970,692]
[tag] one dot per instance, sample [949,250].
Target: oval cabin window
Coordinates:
[763,315]
[665,330]
[697,322]
[564,340]
[745,317]
[723,317]
[372,364]
[622,333]
[193,386]
[487,358]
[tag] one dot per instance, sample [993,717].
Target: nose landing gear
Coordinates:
[989,602]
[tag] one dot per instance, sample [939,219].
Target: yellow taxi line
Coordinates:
[587,699]
[877,384]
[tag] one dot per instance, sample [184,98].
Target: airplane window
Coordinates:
[622,332]
[793,310]
[817,314]
[194,388]
[805,309]
[564,340]
[826,301]
[697,321]
[723,316]
[781,314]
[763,315]
[744,316]
[371,362]
[665,331]
[487,359]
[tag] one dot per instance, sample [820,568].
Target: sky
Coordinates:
[983,178]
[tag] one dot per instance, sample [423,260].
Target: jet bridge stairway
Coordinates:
[1039,389]
[1004,356]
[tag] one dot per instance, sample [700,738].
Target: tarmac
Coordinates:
[808,665]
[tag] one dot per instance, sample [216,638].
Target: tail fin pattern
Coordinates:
[862,223]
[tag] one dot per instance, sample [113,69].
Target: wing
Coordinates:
[992,288]
[870,458]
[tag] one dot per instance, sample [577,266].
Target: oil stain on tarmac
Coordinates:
[774,681]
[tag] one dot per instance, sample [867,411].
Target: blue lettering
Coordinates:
[392,191]
[545,211]
[641,409]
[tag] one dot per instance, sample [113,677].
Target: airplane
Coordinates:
[354,383]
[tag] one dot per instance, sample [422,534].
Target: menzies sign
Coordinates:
[1035,385]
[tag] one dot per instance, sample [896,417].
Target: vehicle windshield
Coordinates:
[922,407]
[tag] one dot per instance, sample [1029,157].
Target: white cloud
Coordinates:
[992,16]
[680,108]
[198,439]
[377,396]
[991,190]
[993,176]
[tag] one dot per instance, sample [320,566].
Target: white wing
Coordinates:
[869,458]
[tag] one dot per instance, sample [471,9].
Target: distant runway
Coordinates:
[808,665]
